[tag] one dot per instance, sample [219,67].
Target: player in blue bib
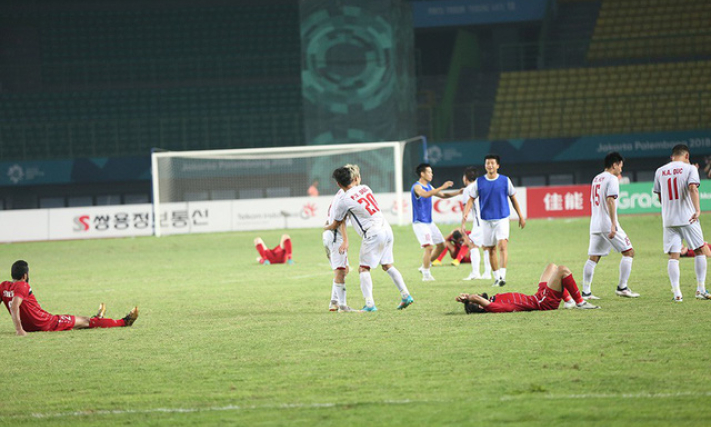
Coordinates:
[427,233]
[494,192]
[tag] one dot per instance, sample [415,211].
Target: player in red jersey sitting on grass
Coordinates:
[28,316]
[556,283]
[456,248]
[279,255]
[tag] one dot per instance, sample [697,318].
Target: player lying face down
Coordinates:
[556,284]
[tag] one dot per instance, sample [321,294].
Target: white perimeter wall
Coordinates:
[95,222]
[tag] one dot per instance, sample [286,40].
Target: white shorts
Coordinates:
[377,248]
[691,233]
[601,245]
[427,234]
[339,261]
[477,235]
[494,230]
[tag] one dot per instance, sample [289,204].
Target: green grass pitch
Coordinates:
[222,340]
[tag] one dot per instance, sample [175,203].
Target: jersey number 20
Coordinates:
[370,204]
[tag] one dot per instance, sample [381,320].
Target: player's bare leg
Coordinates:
[561,279]
[494,259]
[625,271]
[437,251]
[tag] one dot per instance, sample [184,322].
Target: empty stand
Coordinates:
[605,100]
[651,29]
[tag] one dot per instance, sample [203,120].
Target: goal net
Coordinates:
[265,188]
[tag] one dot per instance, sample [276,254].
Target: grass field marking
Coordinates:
[640,395]
[309,276]
[218,408]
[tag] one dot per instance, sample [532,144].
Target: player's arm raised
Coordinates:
[694,194]
[521,219]
[15,313]
[449,194]
[421,192]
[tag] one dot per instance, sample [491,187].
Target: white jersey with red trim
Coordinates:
[604,185]
[672,182]
[364,211]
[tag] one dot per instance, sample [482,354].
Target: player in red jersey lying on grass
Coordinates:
[28,316]
[556,283]
[279,255]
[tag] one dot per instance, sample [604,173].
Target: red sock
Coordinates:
[441,256]
[262,251]
[287,248]
[95,322]
[566,295]
[570,286]
[463,251]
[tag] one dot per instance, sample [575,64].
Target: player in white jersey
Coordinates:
[359,202]
[677,186]
[475,239]
[605,230]
[336,244]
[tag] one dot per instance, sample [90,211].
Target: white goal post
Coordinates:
[215,190]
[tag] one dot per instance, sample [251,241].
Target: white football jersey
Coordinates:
[464,198]
[604,185]
[360,203]
[336,234]
[672,182]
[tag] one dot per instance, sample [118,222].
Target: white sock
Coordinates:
[487,263]
[366,286]
[625,270]
[496,274]
[425,271]
[334,291]
[700,268]
[673,270]
[341,291]
[502,272]
[399,282]
[475,256]
[588,273]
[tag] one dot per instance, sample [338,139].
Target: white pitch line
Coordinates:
[216,409]
[640,395]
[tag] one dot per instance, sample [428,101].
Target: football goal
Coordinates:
[258,175]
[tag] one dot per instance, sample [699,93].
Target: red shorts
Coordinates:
[548,299]
[276,255]
[62,322]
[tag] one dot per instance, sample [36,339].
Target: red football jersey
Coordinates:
[544,299]
[32,316]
